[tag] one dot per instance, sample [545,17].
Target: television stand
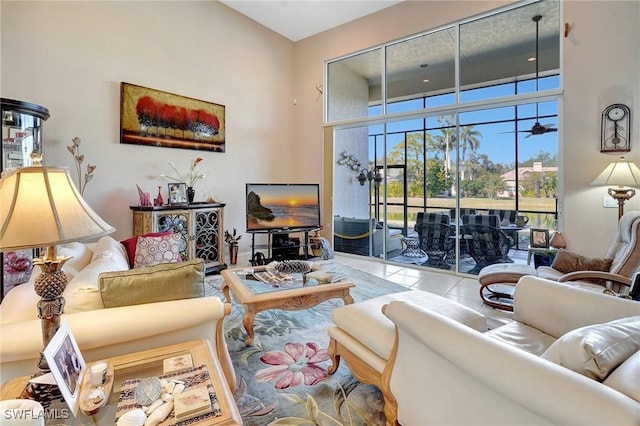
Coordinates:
[280,246]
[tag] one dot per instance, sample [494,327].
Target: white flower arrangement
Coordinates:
[189,178]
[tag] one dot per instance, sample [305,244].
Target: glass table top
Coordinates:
[260,280]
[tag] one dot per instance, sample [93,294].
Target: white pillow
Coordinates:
[596,350]
[80,255]
[152,251]
[82,292]
[107,246]
[20,303]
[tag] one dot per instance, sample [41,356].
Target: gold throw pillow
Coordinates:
[159,283]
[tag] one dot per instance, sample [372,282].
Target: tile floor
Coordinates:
[461,289]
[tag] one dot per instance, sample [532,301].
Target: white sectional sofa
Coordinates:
[139,319]
[446,373]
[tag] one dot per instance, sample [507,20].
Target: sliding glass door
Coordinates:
[447,123]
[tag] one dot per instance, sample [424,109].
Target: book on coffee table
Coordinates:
[177,363]
[191,403]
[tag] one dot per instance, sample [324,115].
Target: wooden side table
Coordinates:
[148,363]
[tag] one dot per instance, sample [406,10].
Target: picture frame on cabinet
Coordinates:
[155,118]
[177,194]
[539,238]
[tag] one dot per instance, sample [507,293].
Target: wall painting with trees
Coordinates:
[156,118]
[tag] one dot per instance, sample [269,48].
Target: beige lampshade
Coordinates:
[619,173]
[40,206]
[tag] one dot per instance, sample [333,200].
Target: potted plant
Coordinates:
[231,238]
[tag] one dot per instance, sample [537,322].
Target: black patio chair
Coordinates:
[463,212]
[510,215]
[437,240]
[486,242]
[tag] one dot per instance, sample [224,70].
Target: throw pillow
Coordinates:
[159,283]
[80,257]
[155,250]
[108,247]
[567,261]
[596,350]
[131,243]
[82,293]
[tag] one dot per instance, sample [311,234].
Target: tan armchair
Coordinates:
[623,254]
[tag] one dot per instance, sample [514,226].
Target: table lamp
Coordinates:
[41,207]
[623,174]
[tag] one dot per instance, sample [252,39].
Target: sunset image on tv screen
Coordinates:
[279,206]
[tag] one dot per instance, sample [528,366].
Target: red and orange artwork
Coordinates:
[156,118]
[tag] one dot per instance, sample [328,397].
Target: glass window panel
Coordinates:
[405,125]
[440,100]
[396,148]
[496,156]
[354,83]
[499,48]
[410,105]
[486,92]
[421,66]
[495,114]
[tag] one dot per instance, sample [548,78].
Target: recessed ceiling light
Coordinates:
[532,59]
[426,80]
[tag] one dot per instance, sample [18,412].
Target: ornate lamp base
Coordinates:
[621,195]
[49,285]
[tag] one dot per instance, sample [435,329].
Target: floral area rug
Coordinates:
[282,377]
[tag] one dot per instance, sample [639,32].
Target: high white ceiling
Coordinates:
[298,19]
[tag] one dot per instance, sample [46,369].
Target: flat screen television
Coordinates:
[285,206]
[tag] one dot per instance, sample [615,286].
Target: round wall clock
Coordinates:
[616,129]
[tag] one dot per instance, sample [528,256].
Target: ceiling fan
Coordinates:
[537,128]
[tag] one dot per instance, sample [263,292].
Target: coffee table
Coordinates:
[256,296]
[148,363]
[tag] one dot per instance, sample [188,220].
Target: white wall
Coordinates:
[71,57]
[601,66]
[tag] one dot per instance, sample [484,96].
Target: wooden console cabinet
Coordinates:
[200,225]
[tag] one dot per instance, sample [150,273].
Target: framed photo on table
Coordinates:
[177,194]
[66,364]
[539,238]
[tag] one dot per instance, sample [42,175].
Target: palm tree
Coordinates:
[446,139]
[469,139]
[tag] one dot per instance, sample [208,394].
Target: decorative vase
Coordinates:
[158,201]
[191,193]
[233,254]
[557,240]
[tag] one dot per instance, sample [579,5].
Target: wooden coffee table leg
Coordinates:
[226,291]
[348,300]
[247,322]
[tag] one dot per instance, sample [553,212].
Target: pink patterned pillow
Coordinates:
[155,250]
